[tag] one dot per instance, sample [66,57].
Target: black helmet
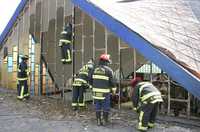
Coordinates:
[25,57]
[68,27]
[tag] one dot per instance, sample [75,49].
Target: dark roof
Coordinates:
[12,21]
[164,31]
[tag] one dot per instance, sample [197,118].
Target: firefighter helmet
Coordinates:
[90,64]
[68,27]
[91,61]
[105,57]
[25,57]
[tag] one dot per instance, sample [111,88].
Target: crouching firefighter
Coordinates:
[146,98]
[102,83]
[65,43]
[22,79]
[81,82]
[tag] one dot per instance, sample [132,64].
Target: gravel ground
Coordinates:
[43,114]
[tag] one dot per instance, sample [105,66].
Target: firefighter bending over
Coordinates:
[102,83]
[22,79]
[81,82]
[65,43]
[146,98]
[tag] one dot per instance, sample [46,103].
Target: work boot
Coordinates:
[82,108]
[98,116]
[74,108]
[105,118]
[24,99]
[27,97]
[142,128]
[150,125]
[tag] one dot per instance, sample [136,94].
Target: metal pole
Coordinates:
[119,92]
[73,45]
[40,91]
[168,97]
[151,76]
[18,36]
[188,106]
[55,49]
[93,53]
[73,42]
[134,62]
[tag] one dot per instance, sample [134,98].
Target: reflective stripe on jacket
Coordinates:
[102,79]
[84,73]
[66,36]
[146,92]
[83,76]
[22,71]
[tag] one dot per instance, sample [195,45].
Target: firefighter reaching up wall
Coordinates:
[146,98]
[81,82]
[22,79]
[65,43]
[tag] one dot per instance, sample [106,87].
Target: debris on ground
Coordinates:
[45,110]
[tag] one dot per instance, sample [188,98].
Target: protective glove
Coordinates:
[136,109]
[114,90]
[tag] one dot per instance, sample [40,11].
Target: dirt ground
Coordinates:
[44,114]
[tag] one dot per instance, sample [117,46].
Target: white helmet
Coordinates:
[90,63]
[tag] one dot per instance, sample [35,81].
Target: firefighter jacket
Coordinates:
[84,76]
[22,71]
[102,81]
[66,36]
[65,44]
[145,92]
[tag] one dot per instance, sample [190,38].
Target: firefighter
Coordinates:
[102,83]
[65,43]
[146,98]
[22,79]
[81,82]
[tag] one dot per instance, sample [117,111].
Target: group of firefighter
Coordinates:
[145,96]
[99,78]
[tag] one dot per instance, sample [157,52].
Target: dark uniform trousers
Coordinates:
[146,98]
[66,53]
[22,89]
[22,81]
[103,104]
[147,115]
[78,95]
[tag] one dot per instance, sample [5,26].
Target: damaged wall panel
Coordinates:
[59,28]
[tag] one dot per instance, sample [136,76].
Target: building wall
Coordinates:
[92,39]
[48,21]
[44,20]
